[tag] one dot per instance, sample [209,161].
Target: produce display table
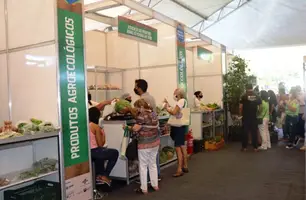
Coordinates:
[114,134]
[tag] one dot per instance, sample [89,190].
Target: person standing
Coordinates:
[263,119]
[248,107]
[301,121]
[178,133]
[197,100]
[146,128]
[272,106]
[292,115]
[140,89]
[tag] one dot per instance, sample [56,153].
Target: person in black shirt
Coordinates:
[249,105]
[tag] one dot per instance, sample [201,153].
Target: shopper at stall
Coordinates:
[178,133]
[140,89]
[249,105]
[263,121]
[197,100]
[146,128]
[292,116]
[99,153]
[127,97]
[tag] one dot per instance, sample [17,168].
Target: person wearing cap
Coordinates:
[127,97]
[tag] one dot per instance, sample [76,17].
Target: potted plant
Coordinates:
[235,81]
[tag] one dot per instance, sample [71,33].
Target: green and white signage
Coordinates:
[73,100]
[181,57]
[137,31]
[204,54]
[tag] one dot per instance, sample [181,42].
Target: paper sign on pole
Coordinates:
[73,103]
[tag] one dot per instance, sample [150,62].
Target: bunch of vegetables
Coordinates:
[35,125]
[42,166]
[213,106]
[121,105]
[161,111]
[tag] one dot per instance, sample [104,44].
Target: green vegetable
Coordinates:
[163,157]
[121,105]
[36,121]
[21,125]
[218,138]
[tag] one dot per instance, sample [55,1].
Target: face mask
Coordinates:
[201,96]
[136,91]
[129,100]
[174,97]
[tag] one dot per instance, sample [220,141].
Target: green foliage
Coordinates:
[235,81]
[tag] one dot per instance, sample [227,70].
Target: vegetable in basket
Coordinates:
[121,105]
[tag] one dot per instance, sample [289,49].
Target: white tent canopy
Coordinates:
[237,24]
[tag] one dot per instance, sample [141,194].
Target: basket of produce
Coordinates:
[214,144]
[167,153]
[39,190]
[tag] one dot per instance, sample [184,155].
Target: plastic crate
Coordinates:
[40,190]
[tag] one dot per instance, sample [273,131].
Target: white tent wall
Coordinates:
[156,64]
[205,76]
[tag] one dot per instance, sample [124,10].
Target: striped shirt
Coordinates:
[148,135]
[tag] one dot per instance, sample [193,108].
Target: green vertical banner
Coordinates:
[73,100]
[181,57]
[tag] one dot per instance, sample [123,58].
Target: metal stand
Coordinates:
[96,194]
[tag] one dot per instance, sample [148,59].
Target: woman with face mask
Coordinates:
[197,100]
[178,133]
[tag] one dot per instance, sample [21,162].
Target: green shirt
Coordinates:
[264,114]
[294,103]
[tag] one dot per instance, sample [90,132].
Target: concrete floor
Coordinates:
[278,174]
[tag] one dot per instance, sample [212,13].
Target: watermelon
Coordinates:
[121,105]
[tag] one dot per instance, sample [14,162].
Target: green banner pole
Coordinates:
[181,57]
[73,100]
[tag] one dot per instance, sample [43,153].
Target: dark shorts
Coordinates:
[178,135]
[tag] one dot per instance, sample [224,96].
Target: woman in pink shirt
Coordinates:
[99,153]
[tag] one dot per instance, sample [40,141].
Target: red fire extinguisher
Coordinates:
[189,139]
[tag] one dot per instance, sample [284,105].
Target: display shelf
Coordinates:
[169,161]
[15,181]
[219,125]
[27,138]
[206,125]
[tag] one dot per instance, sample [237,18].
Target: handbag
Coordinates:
[125,142]
[184,120]
[132,150]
